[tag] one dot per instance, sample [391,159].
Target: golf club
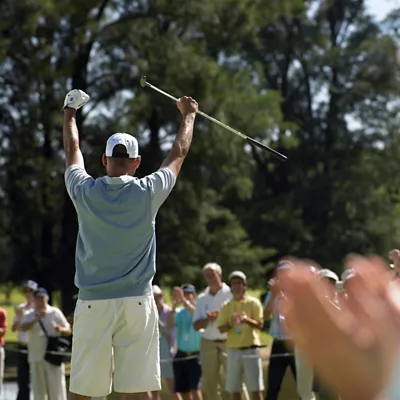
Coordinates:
[279,156]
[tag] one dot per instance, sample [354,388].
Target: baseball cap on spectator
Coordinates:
[214,266]
[284,264]
[327,273]
[30,285]
[129,143]
[157,290]
[188,288]
[237,274]
[40,292]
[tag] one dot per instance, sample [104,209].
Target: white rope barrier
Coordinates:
[167,360]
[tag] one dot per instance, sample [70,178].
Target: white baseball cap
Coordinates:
[130,143]
[327,273]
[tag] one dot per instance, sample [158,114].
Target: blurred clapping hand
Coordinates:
[353,349]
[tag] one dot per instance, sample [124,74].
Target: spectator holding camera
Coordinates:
[48,380]
[186,365]
[242,319]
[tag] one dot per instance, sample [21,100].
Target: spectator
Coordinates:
[242,319]
[186,365]
[167,339]
[282,343]
[3,330]
[48,380]
[23,366]
[212,346]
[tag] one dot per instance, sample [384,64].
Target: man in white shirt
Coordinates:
[212,348]
[48,380]
[23,366]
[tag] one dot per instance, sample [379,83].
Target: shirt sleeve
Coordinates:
[267,298]
[62,320]
[161,184]
[223,316]
[75,177]
[199,312]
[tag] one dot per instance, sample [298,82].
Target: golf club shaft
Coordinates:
[254,142]
[198,111]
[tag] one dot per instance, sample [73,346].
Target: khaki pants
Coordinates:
[48,381]
[213,371]
[304,375]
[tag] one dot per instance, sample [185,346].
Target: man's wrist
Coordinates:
[189,115]
[69,111]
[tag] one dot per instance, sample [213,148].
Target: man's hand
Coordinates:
[75,99]
[40,314]
[274,287]
[187,105]
[212,315]
[177,296]
[243,317]
[58,328]
[235,318]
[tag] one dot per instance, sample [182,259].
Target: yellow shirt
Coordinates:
[242,335]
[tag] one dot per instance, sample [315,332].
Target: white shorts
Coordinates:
[115,341]
[245,364]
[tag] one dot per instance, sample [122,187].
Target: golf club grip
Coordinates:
[275,153]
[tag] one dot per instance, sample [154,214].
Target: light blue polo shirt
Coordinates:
[116,244]
[188,340]
[276,329]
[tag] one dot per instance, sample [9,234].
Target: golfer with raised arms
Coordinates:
[115,334]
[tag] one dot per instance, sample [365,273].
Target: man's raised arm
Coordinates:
[74,100]
[188,108]
[73,154]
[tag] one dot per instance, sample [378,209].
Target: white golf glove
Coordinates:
[76,99]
